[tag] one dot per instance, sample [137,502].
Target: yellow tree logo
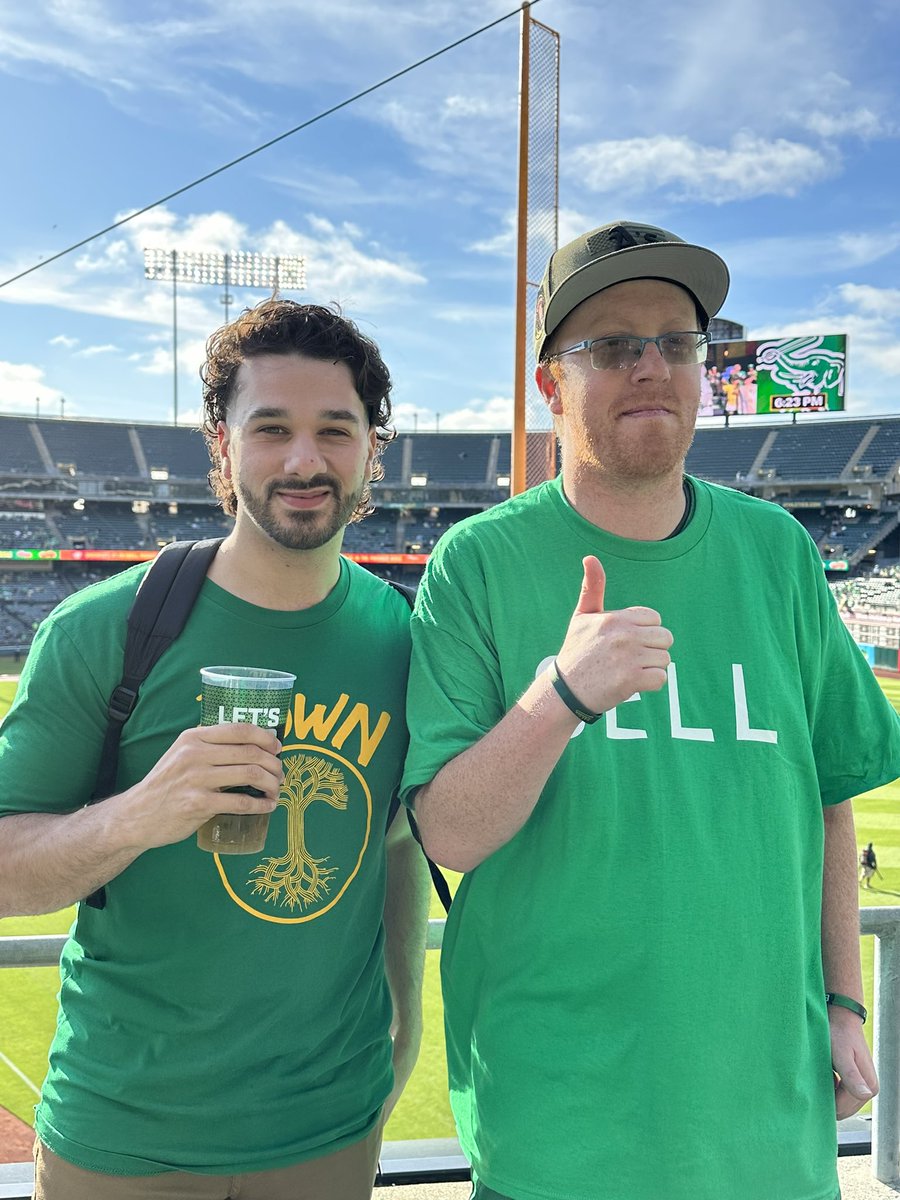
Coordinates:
[297,878]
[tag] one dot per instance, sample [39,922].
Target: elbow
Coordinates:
[445,850]
[444,837]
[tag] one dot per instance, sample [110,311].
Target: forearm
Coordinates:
[481,799]
[855,1077]
[407,898]
[840,904]
[50,860]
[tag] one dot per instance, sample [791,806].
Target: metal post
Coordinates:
[174,338]
[226,299]
[518,482]
[886,1106]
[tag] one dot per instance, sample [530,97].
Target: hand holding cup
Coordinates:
[242,695]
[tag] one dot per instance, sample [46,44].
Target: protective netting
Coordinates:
[542,219]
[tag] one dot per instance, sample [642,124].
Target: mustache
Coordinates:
[316,481]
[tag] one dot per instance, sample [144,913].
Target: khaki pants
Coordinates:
[348,1174]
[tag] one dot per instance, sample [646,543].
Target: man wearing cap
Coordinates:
[623,668]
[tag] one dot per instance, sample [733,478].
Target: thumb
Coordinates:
[590,599]
[854,1083]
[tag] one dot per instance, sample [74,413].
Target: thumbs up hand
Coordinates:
[608,656]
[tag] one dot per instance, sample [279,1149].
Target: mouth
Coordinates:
[645,411]
[308,498]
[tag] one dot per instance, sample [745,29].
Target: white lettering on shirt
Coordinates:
[742,715]
[679,731]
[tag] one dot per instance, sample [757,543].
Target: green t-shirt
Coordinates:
[633,984]
[215,1017]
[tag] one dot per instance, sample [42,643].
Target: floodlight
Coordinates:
[241,268]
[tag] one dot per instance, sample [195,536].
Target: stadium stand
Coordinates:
[726,455]
[19,454]
[882,455]
[91,447]
[178,450]
[453,458]
[820,451]
[102,526]
[190,522]
[80,486]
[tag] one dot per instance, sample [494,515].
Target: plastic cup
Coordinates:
[253,696]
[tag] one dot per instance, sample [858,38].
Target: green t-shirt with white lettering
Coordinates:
[633,984]
[223,1014]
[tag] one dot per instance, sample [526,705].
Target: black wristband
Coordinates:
[568,697]
[846,1002]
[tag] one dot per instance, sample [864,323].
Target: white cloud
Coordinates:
[860,122]
[473,315]
[812,254]
[410,417]
[495,413]
[686,170]
[21,385]
[502,242]
[93,351]
[62,339]
[570,223]
[158,361]
[342,264]
[871,301]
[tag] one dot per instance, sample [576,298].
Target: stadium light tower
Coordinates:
[243,268]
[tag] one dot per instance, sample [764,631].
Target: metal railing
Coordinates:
[881,923]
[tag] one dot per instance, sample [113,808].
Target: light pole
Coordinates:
[242,268]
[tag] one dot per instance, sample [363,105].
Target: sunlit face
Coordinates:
[631,425]
[298,448]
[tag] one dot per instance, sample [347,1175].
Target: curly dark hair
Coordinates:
[285,327]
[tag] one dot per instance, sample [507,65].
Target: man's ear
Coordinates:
[548,385]
[223,433]
[373,447]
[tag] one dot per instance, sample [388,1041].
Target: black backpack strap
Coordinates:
[440,883]
[408,593]
[158,614]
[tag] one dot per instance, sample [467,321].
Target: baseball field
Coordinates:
[28,996]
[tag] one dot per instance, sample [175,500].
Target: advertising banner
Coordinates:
[384,558]
[776,375]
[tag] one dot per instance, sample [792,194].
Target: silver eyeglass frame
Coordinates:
[703,342]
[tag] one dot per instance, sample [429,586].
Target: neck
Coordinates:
[643,510]
[253,567]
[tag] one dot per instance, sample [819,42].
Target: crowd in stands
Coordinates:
[819,470]
[876,593]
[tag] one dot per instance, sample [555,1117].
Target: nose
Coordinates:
[651,365]
[303,457]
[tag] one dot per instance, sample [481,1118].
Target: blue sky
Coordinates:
[768,131]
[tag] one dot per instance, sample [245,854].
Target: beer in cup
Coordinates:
[255,696]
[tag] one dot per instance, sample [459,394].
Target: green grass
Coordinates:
[28,1004]
[7,692]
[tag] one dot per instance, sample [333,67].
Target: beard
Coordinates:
[629,454]
[301,530]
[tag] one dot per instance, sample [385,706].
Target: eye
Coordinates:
[273,430]
[337,432]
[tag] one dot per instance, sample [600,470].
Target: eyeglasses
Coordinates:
[622,353]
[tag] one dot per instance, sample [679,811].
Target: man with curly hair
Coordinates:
[241,1024]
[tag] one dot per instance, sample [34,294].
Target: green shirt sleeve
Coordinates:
[455,691]
[855,730]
